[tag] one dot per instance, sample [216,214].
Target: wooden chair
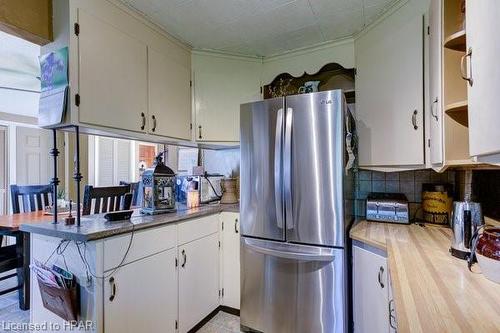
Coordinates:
[136,189]
[34,197]
[113,198]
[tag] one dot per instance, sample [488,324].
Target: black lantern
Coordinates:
[159,188]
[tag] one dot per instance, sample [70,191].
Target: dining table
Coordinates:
[9,226]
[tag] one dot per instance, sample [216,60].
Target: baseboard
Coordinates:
[212,314]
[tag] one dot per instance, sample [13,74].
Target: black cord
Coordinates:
[213,188]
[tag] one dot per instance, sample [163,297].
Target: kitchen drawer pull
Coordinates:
[199,132]
[236,226]
[113,289]
[414,120]
[184,257]
[392,316]
[143,124]
[380,272]
[463,67]
[434,115]
[154,123]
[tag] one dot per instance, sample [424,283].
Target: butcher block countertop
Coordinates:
[433,291]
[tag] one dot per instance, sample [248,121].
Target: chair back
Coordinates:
[106,199]
[33,197]
[136,189]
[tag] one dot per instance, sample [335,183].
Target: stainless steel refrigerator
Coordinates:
[295,211]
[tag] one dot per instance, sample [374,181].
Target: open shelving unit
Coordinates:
[455,104]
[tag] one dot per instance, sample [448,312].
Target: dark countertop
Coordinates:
[95,227]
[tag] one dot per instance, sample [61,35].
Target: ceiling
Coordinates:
[260,27]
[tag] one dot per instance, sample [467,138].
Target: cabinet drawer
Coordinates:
[197,228]
[144,243]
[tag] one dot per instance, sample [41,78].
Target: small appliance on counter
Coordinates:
[229,191]
[208,186]
[387,207]
[466,218]
[159,188]
[437,200]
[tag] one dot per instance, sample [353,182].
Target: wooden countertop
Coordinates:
[433,291]
[12,222]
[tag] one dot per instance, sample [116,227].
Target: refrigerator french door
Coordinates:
[292,214]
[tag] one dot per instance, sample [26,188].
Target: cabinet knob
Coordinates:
[113,289]
[199,132]
[380,272]
[154,123]
[143,121]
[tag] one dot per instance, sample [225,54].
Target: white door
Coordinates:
[34,164]
[483,42]
[198,280]
[389,91]
[169,96]
[435,75]
[112,76]
[145,289]
[370,292]
[231,260]
[221,84]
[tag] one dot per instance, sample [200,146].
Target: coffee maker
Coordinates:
[466,218]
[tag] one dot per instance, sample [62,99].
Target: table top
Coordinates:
[12,222]
[433,291]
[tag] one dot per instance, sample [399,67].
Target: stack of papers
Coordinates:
[54,276]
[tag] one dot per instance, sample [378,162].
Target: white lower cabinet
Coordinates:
[230,260]
[198,280]
[370,290]
[142,296]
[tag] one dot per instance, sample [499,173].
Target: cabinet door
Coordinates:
[221,85]
[112,76]
[483,42]
[145,296]
[231,260]
[435,75]
[169,96]
[370,292]
[198,280]
[389,91]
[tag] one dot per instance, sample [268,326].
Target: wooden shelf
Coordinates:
[456,41]
[459,112]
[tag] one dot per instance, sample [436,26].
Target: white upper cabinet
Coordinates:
[389,90]
[483,53]
[435,85]
[221,84]
[112,75]
[169,96]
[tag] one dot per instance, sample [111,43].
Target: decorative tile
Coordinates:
[378,186]
[365,186]
[377,175]
[392,176]
[406,176]
[392,186]
[365,175]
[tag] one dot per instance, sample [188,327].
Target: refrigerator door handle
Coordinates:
[287,170]
[278,198]
[291,251]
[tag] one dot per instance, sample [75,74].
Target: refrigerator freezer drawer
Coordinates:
[289,288]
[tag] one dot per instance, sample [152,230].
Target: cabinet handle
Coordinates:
[236,226]
[414,120]
[380,272]
[432,109]
[463,67]
[113,289]
[154,123]
[391,315]
[199,132]
[143,123]
[184,256]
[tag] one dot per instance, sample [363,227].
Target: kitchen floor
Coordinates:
[222,323]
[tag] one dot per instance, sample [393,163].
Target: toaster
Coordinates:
[387,207]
